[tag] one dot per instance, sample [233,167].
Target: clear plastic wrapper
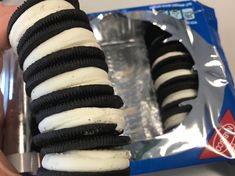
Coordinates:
[126,56]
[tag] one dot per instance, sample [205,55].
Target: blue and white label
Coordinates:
[188,14]
[176,14]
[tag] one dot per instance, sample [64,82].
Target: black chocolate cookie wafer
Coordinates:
[87,143]
[60,68]
[175,64]
[175,110]
[70,94]
[173,59]
[68,134]
[104,101]
[174,104]
[46,34]
[173,88]
[173,81]
[44,172]
[75,53]
[50,20]
[170,129]
[154,34]
[157,51]
[26,5]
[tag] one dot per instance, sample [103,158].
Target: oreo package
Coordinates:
[167,63]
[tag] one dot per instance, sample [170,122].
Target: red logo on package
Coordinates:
[222,142]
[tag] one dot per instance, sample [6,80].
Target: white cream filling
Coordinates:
[166,56]
[73,37]
[170,75]
[75,78]
[83,116]
[188,93]
[174,120]
[87,161]
[34,14]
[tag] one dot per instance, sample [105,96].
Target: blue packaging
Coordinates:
[209,138]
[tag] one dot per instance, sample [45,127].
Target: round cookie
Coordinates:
[174,104]
[58,136]
[174,121]
[171,75]
[103,101]
[178,86]
[88,161]
[75,78]
[70,94]
[154,34]
[175,110]
[182,94]
[26,5]
[44,172]
[167,56]
[87,143]
[83,116]
[62,67]
[73,37]
[181,79]
[172,64]
[157,51]
[83,52]
[44,34]
[32,15]
[49,21]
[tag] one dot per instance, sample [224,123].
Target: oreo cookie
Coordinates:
[68,134]
[173,59]
[60,68]
[26,5]
[70,94]
[156,51]
[45,172]
[168,107]
[154,35]
[103,101]
[86,143]
[173,81]
[172,88]
[52,19]
[175,110]
[168,130]
[171,65]
[82,52]
[47,33]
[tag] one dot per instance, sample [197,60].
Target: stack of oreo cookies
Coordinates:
[175,81]
[77,112]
